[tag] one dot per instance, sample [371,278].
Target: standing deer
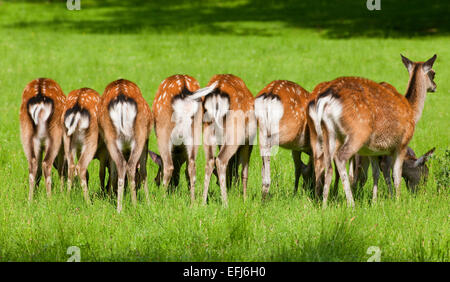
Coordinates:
[125,124]
[412,171]
[228,121]
[81,136]
[178,128]
[366,118]
[280,109]
[41,130]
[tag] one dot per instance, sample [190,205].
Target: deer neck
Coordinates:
[416,94]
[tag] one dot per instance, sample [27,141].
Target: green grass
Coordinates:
[307,43]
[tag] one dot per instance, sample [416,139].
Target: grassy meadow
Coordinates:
[259,41]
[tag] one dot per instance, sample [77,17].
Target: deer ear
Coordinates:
[410,152]
[423,159]
[155,157]
[408,63]
[429,64]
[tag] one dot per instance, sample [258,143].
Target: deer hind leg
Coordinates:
[329,140]
[60,163]
[118,170]
[209,148]
[135,155]
[299,167]
[345,152]
[265,152]
[33,151]
[190,168]
[165,150]
[225,154]
[51,151]
[143,176]
[244,160]
[335,191]
[86,156]
[327,182]
[209,167]
[69,152]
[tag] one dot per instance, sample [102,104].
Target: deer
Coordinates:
[280,109]
[353,115]
[230,123]
[81,136]
[178,128]
[41,131]
[414,171]
[126,121]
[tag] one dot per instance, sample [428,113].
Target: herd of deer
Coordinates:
[347,119]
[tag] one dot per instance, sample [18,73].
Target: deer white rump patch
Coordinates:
[184,111]
[40,113]
[328,110]
[123,115]
[216,108]
[76,121]
[268,112]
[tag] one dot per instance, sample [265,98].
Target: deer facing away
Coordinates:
[125,124]
[81,136]
[228,122]
[280,109]
[41,130]
[178,128]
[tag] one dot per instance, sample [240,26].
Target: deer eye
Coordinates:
[431,74]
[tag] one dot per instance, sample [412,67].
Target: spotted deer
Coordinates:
[41,130]
[280,109]
[81,136]
[228,122]
[125,122]
[355,115]
[178,128]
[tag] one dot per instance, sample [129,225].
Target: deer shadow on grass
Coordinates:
[333,19]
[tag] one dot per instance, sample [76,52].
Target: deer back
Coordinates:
[293,100]
[42,98]
[81,110]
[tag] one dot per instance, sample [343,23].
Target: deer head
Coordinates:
[415,170]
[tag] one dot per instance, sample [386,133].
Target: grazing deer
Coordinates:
[228,121]
[125,124]
[81,136]
[178,128]
[41,130]
[280,109]
[356,115]
[414,170]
